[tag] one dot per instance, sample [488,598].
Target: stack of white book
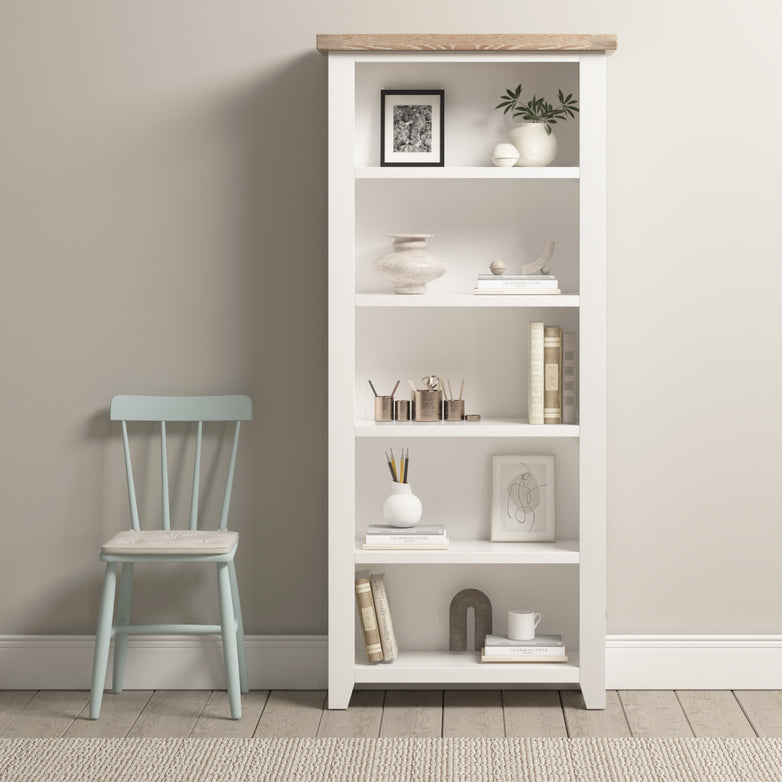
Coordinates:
[546,284]
[424,536]
[542,649]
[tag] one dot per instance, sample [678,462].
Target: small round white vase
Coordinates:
[410,266]
[402,508]
[535,146]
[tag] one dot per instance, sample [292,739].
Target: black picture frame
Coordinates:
[428,149]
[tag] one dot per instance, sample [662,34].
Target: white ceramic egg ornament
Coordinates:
[504,155]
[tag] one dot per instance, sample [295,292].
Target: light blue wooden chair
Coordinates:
[167,545]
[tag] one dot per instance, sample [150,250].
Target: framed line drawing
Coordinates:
[523,492]
[412,127]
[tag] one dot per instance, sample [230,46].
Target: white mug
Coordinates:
[522,624]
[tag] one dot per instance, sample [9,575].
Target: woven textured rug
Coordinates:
[389,760]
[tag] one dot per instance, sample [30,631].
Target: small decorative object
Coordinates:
[412,127]
[477,600]
[472,417]
[539,266]
[401,508]
[534,138]
[523,492]
[410,266]
[497,267]
[504,155]
[402,410]
[522,625]
[454,407]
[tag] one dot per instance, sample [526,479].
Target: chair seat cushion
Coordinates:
[175,541]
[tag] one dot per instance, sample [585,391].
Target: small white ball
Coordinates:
[497,267]
[504,155]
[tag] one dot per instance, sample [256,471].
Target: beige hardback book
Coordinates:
[552,375]
[569,378]
[383,612]
[368,618]
[535,390]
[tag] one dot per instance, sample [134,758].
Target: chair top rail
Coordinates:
[181,408]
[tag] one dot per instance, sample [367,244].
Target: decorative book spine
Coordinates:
[535,392]
[568,377]
[383,612]
[552,368]
[367,617]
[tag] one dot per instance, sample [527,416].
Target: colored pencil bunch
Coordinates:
[404,464]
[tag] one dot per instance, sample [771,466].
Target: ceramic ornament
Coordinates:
[539,266]
[504,155]
[410,266]
[497,267]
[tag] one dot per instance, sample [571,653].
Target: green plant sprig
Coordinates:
[538,109]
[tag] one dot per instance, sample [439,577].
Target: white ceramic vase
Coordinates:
[535,146]
[402,508]
[410,266]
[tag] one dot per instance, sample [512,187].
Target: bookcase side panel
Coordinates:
[341,369]
[592,380]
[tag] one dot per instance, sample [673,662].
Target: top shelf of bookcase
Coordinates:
[472,42]
[467,172]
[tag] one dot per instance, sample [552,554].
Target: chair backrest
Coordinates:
[194,409]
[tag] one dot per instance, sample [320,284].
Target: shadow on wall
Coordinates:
[270,336]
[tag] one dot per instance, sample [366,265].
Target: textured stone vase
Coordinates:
[535,146]
[410,266]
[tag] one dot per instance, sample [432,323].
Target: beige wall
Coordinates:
[163,227]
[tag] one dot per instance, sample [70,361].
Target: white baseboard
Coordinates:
[633,662]
[698,662]
[64,662]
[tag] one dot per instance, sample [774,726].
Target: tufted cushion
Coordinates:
[179,541]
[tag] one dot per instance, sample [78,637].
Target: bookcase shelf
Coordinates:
[477,552]
[464,300]
[442,667]
[468,172]
[476,213]
[486,427]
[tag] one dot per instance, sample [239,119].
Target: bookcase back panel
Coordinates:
[474,222]
[487,347]
[472,90]
[454,482]
[420,597]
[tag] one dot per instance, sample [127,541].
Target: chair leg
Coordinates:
[244,686]
[228,627]
[103,639]
[123,618]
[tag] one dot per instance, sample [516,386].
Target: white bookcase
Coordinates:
[477,212]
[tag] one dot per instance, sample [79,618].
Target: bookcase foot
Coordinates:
[339,697]
[594,697]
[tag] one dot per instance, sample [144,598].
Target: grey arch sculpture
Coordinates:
[469,598]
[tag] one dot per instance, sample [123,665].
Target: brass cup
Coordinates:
[384,408]
[428,406]
[402,410]
[454,409]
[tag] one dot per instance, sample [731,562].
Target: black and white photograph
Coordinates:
[412,128]
[523,490]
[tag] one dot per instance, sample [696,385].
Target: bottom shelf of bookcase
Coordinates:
[464,668]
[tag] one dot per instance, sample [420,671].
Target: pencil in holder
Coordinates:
[401,410]
[384,408]
[454,409]
[428,406]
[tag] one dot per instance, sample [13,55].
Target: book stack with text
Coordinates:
[542,649]
[517,284]
[424,536]
[552,375]
[374,614]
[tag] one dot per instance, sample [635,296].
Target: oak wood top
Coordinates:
[398,42]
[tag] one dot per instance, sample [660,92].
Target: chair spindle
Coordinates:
[134,522]
[164,476]
[196,475]
[230,480]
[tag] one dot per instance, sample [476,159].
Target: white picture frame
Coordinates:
[523,497]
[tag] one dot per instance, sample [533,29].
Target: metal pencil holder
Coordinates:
[454,409]
[402,410]
[384,408]
[428,406]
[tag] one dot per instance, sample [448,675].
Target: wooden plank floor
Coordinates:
[373,713]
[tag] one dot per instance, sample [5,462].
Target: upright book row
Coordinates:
[552,375]
[374,614]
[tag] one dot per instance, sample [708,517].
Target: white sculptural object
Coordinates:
[410,266]
[539,266]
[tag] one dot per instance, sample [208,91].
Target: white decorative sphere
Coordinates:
[497,267]
[504,155]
